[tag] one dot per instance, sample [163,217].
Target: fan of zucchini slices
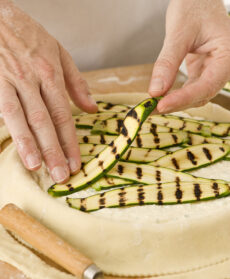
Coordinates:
[134,158]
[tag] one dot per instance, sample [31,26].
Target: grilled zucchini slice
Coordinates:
[160,140]
[106,159]
[198,139]
[220,129]
[96,139]
[108,107]
[168,193]
[87,121]
[193,157]
[113,126]
[133,154]
[180,123]
[148,174]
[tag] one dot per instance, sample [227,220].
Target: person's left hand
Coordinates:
[199,31]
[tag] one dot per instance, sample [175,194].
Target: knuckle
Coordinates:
[163,62]
[81,82]
[61,117]
[51,153]
[46,69]
[23,142]
[10,109]
[37,119]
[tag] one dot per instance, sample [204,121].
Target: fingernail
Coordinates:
[157,84]
[59,174]
[73,165]
[91,100]
[33,160]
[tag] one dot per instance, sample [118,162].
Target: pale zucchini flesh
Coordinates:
[106,159]
[193,157]
[159,194]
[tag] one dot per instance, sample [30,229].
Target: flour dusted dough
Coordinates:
[193,247]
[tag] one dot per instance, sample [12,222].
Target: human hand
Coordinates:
[35,75]
[200,31]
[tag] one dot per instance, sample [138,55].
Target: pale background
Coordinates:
[103,33]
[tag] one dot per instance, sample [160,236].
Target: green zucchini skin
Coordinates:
[157,141]
[159,194]
[106,159]
[227,158]
[113,126]
[110,182]
[133,154]
[193,157]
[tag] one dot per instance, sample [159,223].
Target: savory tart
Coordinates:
[152,197]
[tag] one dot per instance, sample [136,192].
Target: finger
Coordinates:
[42,127]
[60,113]
[16,123]
[199,91]
[75,84]
[166,67]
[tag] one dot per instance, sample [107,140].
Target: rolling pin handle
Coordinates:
[92,272]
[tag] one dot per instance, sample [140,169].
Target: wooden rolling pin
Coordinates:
[48,243]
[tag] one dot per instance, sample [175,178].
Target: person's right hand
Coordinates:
[35,75]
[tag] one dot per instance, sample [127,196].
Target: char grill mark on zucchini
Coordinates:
[159,194]
[106,159]
[193,157]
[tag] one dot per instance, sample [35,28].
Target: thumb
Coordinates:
[166,67]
